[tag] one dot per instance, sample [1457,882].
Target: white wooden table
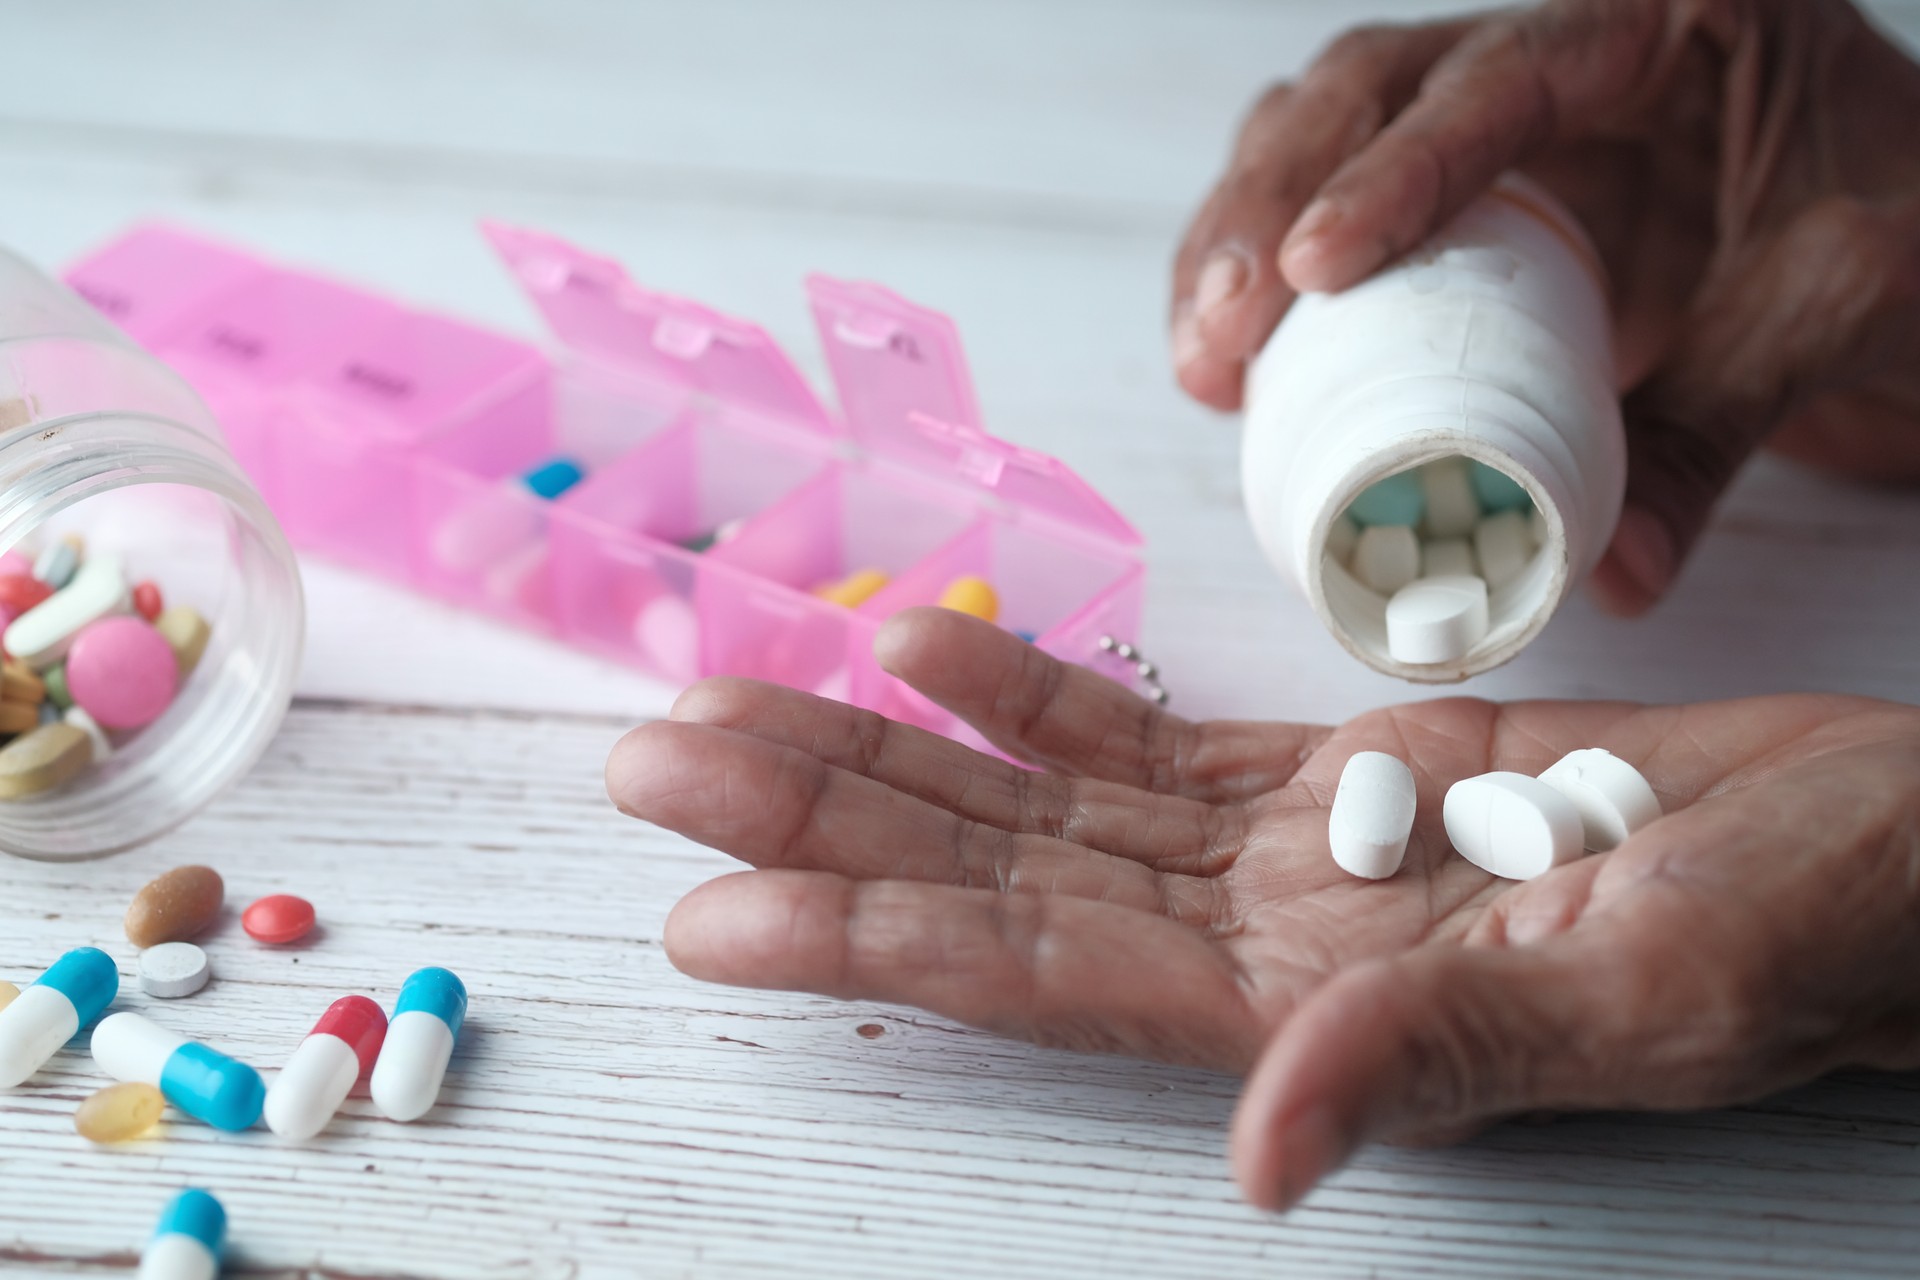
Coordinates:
[437,789]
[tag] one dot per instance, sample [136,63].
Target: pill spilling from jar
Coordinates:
[93,654]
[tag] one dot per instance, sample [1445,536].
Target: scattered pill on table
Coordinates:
[1502,545]
[187,1240]
[1437,619]
[343,1045]
[173,970]
[202,1082]
[1397,500]
[1511,825]
[1452,507]
[119,1112]
[1613,798]
[855,589]
[278,918]
[973,595]
[40,636]
[175,906]
[419,1044]
[146,600]
[7,993]
[46,757]
[73,991]
[1387,557]
[1372,815]
[186,633]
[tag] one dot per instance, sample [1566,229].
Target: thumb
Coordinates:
[1442,1038]
[1820,306]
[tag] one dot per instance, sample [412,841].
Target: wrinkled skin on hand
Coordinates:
[1164,889]
[1749,171]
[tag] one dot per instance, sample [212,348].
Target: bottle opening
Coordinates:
[1441,569]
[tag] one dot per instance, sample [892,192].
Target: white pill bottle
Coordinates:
[1492,343]
[100,439]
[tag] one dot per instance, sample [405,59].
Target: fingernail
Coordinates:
[1311,1147]
[1222,278]
[1187,343]
[1643,549]
[1316,221]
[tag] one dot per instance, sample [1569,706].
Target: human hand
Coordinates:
[1166,890]
[1747,173]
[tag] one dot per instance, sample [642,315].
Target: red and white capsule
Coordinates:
[321,1073]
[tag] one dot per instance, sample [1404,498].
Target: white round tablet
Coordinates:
[1436,619]
[1372,815]
[173,969]
[1613,798]
[1511,825]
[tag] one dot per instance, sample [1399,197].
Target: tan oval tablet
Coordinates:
[43,759]
[186,634]
[175,907]
[18,717]
[18,683]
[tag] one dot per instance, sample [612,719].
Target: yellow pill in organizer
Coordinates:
[855,589]
[970,594]
[119,1112]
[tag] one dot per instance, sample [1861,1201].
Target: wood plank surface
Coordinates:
[1025,166]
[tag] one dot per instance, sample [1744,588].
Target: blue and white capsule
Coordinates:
[186,1243]
[205,1084]
[413,1060]
[75,991]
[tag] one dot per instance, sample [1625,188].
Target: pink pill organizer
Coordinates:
[395,441]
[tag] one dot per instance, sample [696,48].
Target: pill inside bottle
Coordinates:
[1423,535]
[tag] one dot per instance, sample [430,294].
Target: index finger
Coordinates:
[1552,73]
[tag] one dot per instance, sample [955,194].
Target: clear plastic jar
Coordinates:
[99,438]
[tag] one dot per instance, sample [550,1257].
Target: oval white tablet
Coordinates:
[1452,508]
[1502,543]
[1511,825]
[173,969]
[1444,557]
[40,636]
[1613,798]
[1372,815]
[1436,619]
[1386,557]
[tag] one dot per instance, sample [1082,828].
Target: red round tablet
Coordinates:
[146,600]
[21,591]
[280,917]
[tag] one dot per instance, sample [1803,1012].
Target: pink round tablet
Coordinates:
[122,672]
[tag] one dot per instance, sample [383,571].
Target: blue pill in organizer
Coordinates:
[204,1083]
[420,1036]
[552,478]
[74,991]
[187,1240]
[1399,499]
[1028,636]
[1497,490]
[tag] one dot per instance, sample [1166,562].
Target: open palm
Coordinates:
[1165,889]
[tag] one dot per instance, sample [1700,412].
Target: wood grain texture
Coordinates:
[608,1117]
[1025,166]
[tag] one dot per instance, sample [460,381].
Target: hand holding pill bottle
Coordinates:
[1474,202]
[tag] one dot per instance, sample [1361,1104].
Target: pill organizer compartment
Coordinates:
[625,576]
[685,421]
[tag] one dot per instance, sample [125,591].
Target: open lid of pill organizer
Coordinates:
[904,390]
